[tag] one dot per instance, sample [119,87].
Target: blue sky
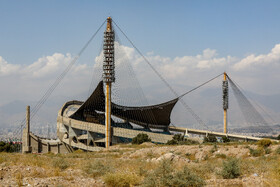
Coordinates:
[32,29]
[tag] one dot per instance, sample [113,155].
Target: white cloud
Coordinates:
[259,61]
[29,82]
[184,71]
[7,69]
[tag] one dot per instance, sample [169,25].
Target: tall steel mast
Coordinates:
[225,101]
[108,76]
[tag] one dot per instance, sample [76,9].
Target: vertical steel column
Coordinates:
[108,115]
[225,101]
[108,76]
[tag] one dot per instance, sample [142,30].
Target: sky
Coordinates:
[188,42]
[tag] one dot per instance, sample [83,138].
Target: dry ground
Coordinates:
[133,164]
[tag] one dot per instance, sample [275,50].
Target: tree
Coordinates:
[141,138]
[210,138]
[225,139]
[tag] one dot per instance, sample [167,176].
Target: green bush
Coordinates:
[121,179]
[8,147]
[231,169]
[165,175]
[175,139]
[179,139]
[225,139]
[264,143]
[172,142]
[256,152]
[210,138]
[141,138]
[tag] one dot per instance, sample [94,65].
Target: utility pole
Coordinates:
[108,76]
[225,100]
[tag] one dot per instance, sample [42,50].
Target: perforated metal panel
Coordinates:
[108,61]
[225,95]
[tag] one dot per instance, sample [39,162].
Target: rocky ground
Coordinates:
[81,169]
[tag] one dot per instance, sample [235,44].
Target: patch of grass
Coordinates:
[121,179]
[206,169]
[97,168]
[214,149]
[19,179]
[36,173]
[277,151]
[60,163]
[223,156]
[150,154]
[231,169]
[256,152]
[187,178]
[190,156]
[264,143]
[78,151]
[165,175]
[267,150]
[206,157]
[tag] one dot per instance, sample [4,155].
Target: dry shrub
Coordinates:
[219,155]
[121,179]
[19,178]
[97,168]
[37,173]
[256,152]
[2,174]
[166,175]
[264,143]
[78,151]
[206,169]
[231,169]
[277,151]
[190,156]
[60,163]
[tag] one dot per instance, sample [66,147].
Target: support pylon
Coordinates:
[26,133]
[225,101]
[108,76]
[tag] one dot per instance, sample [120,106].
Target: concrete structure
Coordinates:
[208,133]
[26,148]
[90,136]
[34,144]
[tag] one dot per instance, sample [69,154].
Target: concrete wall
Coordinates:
[41,145]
